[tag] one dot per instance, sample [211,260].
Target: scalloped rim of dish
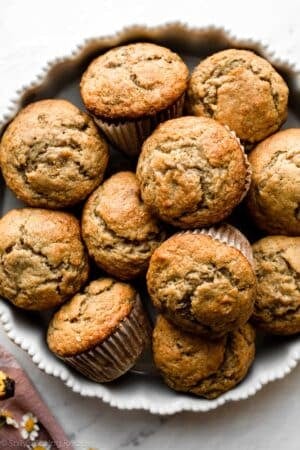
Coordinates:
[293,355]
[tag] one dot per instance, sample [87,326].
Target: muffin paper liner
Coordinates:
[228,235]
[248,166]
[129,135]
[118,353]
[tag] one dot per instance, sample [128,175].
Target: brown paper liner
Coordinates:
[118,353]
[129,136]
[228,235]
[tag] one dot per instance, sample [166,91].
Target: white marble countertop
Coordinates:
[34,32]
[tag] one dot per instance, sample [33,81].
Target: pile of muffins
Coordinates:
[188,135]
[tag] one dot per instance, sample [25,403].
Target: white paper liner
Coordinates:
[118,353]
[129,136]
[228,235]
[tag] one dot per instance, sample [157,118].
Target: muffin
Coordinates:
[42,258]
[277,265]
[241,90]
[118,229]
[274,196]
[102,331]
[192,172]
[190,363]
[7,386]
[130,89]
[203,281]
[51,155]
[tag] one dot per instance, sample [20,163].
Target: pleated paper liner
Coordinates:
[129,135]
[119,352]
[228,235]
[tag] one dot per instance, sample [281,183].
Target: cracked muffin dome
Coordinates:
[118,229]
[51,154]
[192,172]
[132,81]
[101,331]
[239,89]
[130,89]
[203,285]
[277,304]
[190,363]
[274,196]
[42,258]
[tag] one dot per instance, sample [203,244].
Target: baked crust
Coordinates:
[132,81]
[239,89]
[274,196]
[118,229]
[201,284]
[90,316]
[190,363]
[192,172]
[277,304]
[51,154]
[42,259]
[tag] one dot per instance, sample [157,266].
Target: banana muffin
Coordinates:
[42,258]
[130,89]
[241,90]
[274,196]
[192,172]
[277,265]
[118,229]
[203,283]
[102,331]
[51,154]
[190,363]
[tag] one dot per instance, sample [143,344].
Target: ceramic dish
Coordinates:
[275,357]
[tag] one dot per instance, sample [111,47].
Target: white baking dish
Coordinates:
[275,357]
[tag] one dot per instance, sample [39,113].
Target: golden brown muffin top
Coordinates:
[43,261]
[274,196]
[51,154]
[277,305]
[197,357]
[241,90]
[120,206]
[203,285]
[192,171]
[191,363]
[132,81]
[118,229]
[90,317]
